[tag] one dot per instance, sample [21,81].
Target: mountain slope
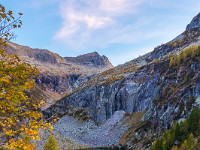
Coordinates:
[49,62]
[163,84]
[58,75]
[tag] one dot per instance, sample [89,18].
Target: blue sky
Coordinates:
[120,29]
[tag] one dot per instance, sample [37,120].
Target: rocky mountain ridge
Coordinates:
[163,84]
[58,75]
[52,63]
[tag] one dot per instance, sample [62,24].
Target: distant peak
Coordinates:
[91,59]
[94,53]
[195,23]
[91,54]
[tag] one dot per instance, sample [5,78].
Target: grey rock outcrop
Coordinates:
[127,94]
[195,23]
[137,91]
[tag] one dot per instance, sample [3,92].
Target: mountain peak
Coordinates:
[195,23]
[93,53]
[48,61]
[93,59]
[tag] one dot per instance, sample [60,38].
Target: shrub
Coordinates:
[50,144]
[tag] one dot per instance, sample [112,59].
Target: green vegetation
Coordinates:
[182,135]
[180,73]
[50,144]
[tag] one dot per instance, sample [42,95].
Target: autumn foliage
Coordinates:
[20,116]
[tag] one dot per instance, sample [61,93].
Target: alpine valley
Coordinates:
[124,107]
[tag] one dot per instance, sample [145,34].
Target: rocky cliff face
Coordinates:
[58,75]
[134,93]
[195,23]
[128,94]
[164,92]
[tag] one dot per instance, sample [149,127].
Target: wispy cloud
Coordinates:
[86,17]
[117,28]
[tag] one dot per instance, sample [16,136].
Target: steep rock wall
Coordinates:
[140,91]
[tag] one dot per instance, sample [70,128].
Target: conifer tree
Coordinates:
[51,144]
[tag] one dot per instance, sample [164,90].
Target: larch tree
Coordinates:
[20,116]
[171,62]
[50,144]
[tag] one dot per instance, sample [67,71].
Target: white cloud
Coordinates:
[88,16]
[92,21]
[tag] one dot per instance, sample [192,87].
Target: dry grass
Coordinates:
[133,121]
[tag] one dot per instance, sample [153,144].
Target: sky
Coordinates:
[119,29]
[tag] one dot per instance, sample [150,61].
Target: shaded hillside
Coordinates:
[58,75]
[164,84]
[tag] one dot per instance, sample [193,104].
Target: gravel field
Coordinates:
[88,133]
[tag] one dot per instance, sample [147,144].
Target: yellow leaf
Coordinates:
[51,128]
[38,138]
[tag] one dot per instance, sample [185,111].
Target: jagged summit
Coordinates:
[91,59]
[195,23]
[47,61]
